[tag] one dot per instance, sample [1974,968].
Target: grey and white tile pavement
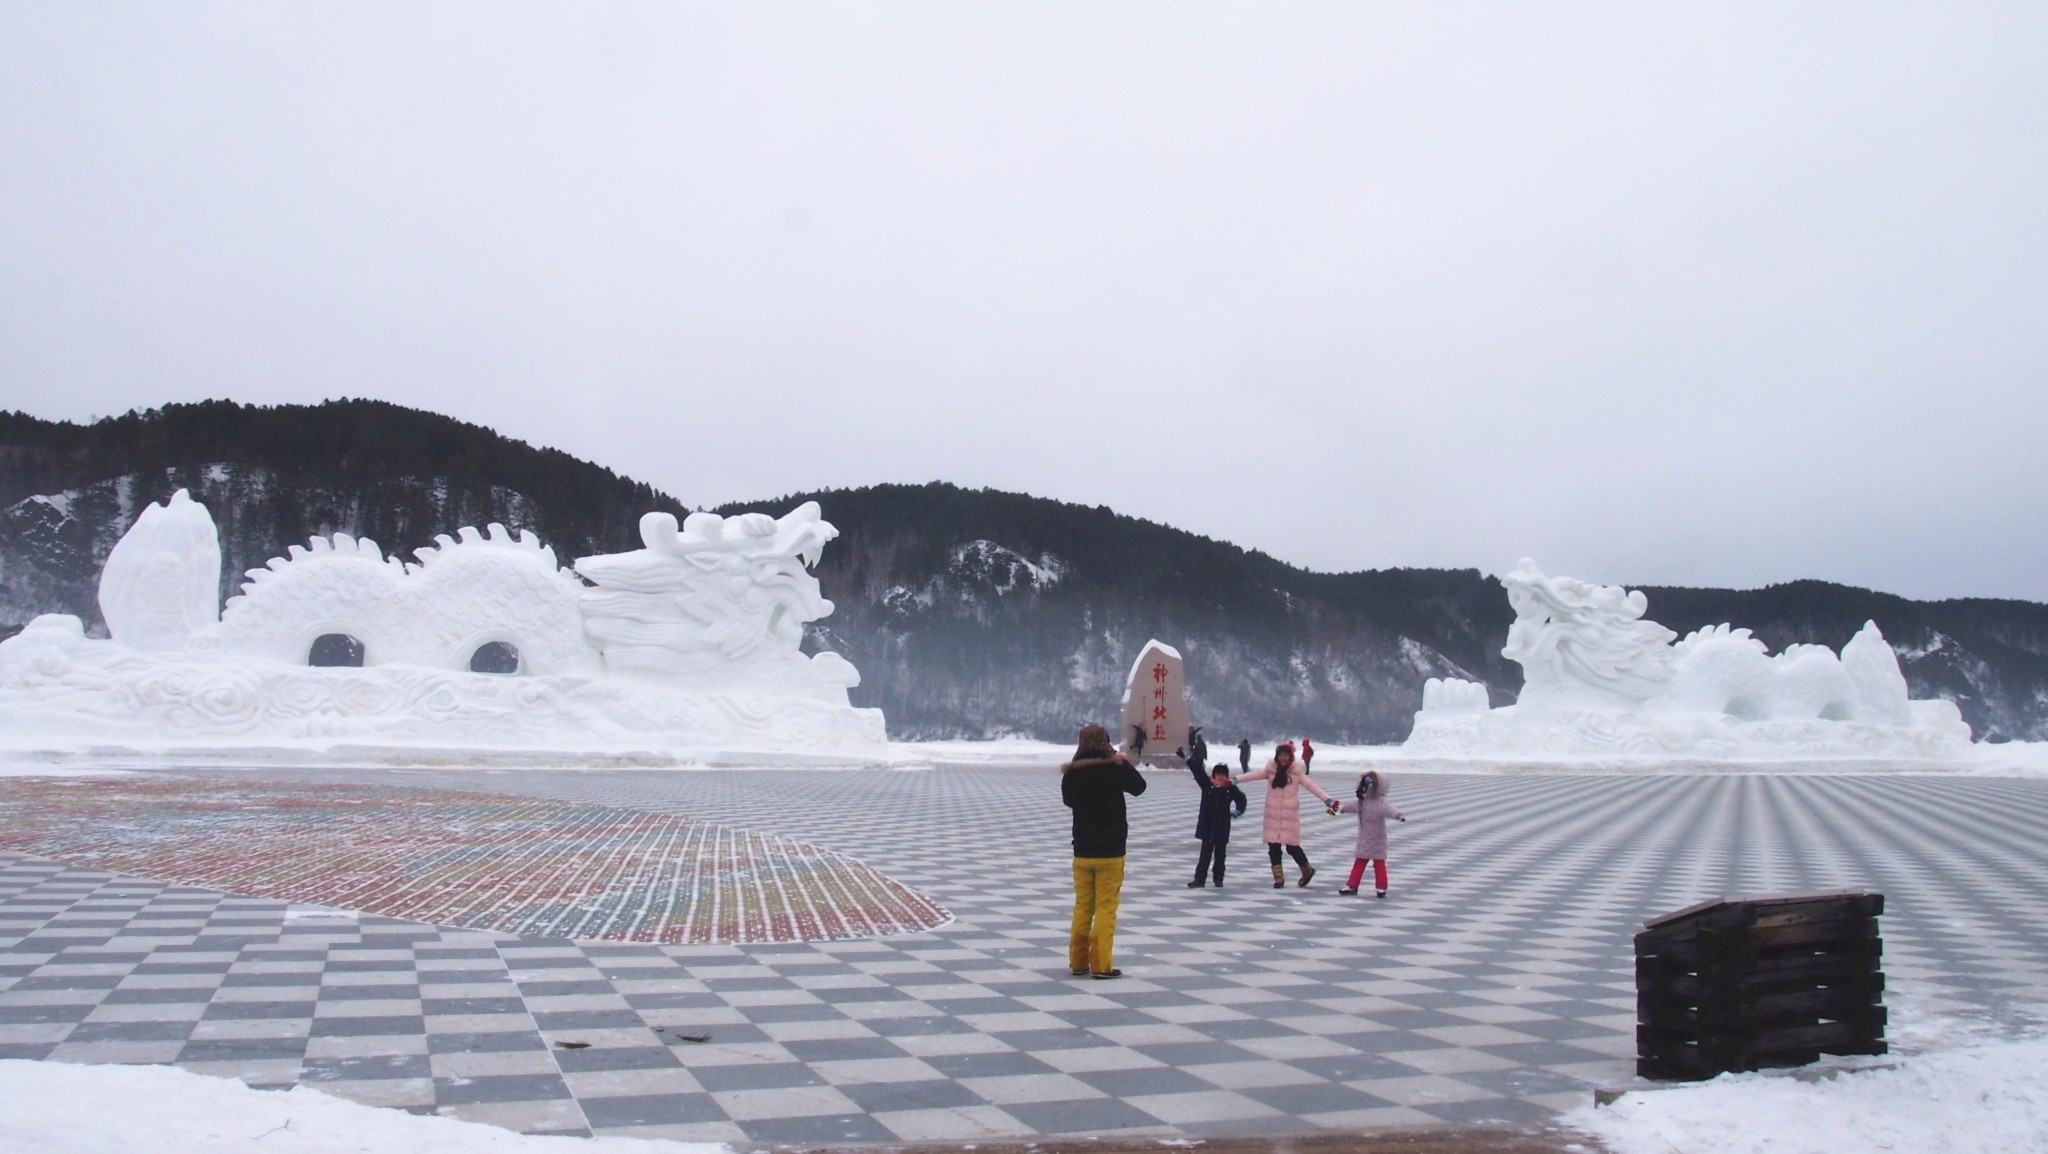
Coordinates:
[1493,984]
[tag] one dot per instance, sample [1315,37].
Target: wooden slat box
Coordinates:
[1742,984]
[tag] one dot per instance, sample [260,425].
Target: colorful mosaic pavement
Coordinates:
[516,865]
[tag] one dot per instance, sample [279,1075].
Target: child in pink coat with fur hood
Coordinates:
[1373,810]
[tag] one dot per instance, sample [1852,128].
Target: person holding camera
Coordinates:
[1094,785]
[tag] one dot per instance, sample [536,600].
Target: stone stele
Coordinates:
[1155,704]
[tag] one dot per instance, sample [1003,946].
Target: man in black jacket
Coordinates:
[1093,785]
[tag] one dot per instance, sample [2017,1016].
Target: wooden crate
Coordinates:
[1743,984]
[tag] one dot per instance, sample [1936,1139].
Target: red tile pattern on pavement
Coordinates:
[475,860]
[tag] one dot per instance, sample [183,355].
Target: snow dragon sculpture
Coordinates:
[724,598]
[1583,644]
[1600,680]
[689,645]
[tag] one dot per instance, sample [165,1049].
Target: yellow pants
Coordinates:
[1098,886]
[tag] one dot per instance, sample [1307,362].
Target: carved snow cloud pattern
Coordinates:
[472,860]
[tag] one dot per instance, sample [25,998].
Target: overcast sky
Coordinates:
[1704,294]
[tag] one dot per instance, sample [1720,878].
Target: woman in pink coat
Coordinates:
[1284,783]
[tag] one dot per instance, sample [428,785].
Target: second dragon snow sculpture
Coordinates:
[686,647]
[1600,679]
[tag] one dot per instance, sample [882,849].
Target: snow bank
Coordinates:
[57,1108]
[1991,1097]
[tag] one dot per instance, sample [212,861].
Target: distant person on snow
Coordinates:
[1282,824]
[1137,741]
[1373,810]
[1212,827]
[1244,756]
[1196,745]
[1308,754]
[1093,785]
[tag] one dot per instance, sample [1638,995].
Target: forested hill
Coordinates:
[274,476]
[970,613]
[985,612]
[981,612]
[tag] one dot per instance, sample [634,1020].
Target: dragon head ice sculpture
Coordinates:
[723,594]
[1581,644]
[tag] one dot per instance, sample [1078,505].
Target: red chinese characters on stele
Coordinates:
[1155,702]
[1159,701]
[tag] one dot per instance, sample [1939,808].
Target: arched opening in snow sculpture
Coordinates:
[1743,709]
[495,657]
[335,651]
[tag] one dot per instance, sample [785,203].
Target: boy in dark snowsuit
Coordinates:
[1219,796]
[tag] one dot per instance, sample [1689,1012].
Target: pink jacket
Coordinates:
[1372,813]
[1283,806]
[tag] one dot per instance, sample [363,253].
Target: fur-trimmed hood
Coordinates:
[1085,762]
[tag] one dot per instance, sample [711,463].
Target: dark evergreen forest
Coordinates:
[274,476]
[397,473]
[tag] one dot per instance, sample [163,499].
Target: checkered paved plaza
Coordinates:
[1494,984]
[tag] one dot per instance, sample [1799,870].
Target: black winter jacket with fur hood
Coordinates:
[1094,789]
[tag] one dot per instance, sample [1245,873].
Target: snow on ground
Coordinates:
[1002,750]
[2013,759]
[11,768]
[58,1108]
[2010,759]
[23,757]
[1989,1098]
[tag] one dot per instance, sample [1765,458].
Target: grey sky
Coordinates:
[1706,294]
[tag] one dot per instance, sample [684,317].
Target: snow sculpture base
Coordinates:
[1604,685]
[184,684]
[1510,736]
[65,697]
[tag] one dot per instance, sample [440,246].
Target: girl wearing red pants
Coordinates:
[1373,810]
